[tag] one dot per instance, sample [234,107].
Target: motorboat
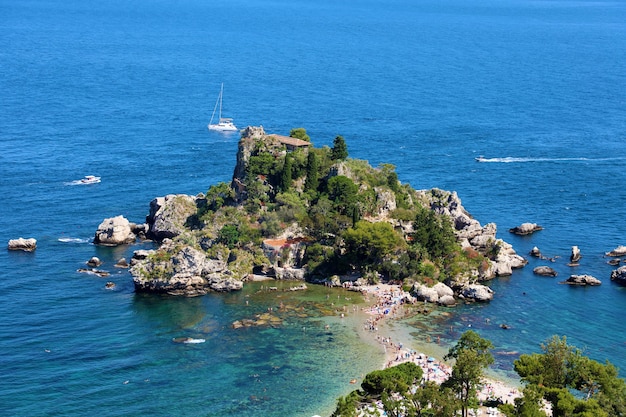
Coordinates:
[89,179]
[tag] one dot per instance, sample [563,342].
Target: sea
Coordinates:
[124,90]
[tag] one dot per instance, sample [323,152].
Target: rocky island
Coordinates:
[293,211]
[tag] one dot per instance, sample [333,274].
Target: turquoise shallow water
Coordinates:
[124,90]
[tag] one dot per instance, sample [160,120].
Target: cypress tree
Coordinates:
[312,172]
[285,177]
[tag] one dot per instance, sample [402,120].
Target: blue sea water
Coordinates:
[124,90]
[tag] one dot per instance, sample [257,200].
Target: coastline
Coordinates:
[384,306]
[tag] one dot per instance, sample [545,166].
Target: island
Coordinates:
[296,212]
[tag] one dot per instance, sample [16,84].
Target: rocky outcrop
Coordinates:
[618,251]
[582,280]
[535,252]
[181,271]
[26,245]
[545,271]
[470,234]
[526,229]
[439,293]
[575,256]
[619,275]
[94,261]
[114,231]
[476,292]
[169,214]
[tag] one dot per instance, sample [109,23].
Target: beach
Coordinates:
[386,303]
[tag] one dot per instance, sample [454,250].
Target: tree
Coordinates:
[561,369]
[339,151]
[299,133]
[370,243]
[529,405]
[471,356]
[549,369]
[229,235]
[434,233]
[312,172]
[343,192]
[285,176]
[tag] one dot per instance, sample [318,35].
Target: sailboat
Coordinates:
[224,124]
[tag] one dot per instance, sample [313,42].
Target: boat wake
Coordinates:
[73,240]
[510,159]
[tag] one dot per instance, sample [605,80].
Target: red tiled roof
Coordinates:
[288,140]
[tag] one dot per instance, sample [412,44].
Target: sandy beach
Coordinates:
[388,301]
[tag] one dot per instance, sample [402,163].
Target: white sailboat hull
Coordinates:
[223,127]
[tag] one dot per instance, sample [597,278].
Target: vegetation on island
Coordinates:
[348,216]
[560,379]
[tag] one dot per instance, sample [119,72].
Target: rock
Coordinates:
[618,251]
[619,275]
[545,271]
[526,229]
[447,300]
[614,262]
[114,231]
[94,261]
[582,280]
[443,290]
[477,292]
[169,214]
[535,252]
[26,245]
[423,293]
[181,271]
[575,256]
[293,274]
[121,263]
[109,285]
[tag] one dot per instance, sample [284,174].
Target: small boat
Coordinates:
[89,179]
[224,124]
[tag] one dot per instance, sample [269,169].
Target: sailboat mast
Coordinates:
[221,94]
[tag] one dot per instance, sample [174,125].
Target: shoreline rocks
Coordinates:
[26,245]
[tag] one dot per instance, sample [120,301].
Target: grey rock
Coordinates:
[526,229]
[618,251]
[114,231]
[477,292]
[26,245]
[169,214]
[545,271]
[575,256]
[619,275]
[582,280]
